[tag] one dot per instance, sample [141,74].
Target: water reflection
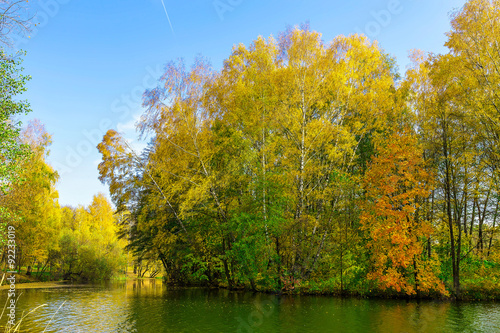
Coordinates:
[150,306]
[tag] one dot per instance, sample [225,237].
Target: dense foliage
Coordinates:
[305,165]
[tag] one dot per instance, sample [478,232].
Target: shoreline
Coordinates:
[466,296]
[42,285]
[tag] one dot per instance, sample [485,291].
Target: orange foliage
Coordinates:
[396,184]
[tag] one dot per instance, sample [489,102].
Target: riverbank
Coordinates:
[30,282]
[469,293]
[43,285]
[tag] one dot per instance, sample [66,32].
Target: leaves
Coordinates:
[12,151]
[396,182]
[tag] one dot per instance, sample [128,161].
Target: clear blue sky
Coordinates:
[91,59]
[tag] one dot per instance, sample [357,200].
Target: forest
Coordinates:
[299,166]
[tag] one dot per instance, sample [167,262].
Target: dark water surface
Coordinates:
[150,306]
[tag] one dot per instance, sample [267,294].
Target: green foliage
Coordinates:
[12,151]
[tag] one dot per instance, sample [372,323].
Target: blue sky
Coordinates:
[90,60]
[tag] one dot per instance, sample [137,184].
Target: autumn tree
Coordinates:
[88,244]
[473,42]
[32,206]
[396,184]
[305,105]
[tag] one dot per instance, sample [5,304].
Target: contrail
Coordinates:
[168,18]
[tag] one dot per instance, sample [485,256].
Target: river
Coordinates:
[149,306]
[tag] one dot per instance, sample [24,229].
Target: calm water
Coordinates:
[144,306]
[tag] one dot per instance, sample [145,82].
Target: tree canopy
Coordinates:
[311,165]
